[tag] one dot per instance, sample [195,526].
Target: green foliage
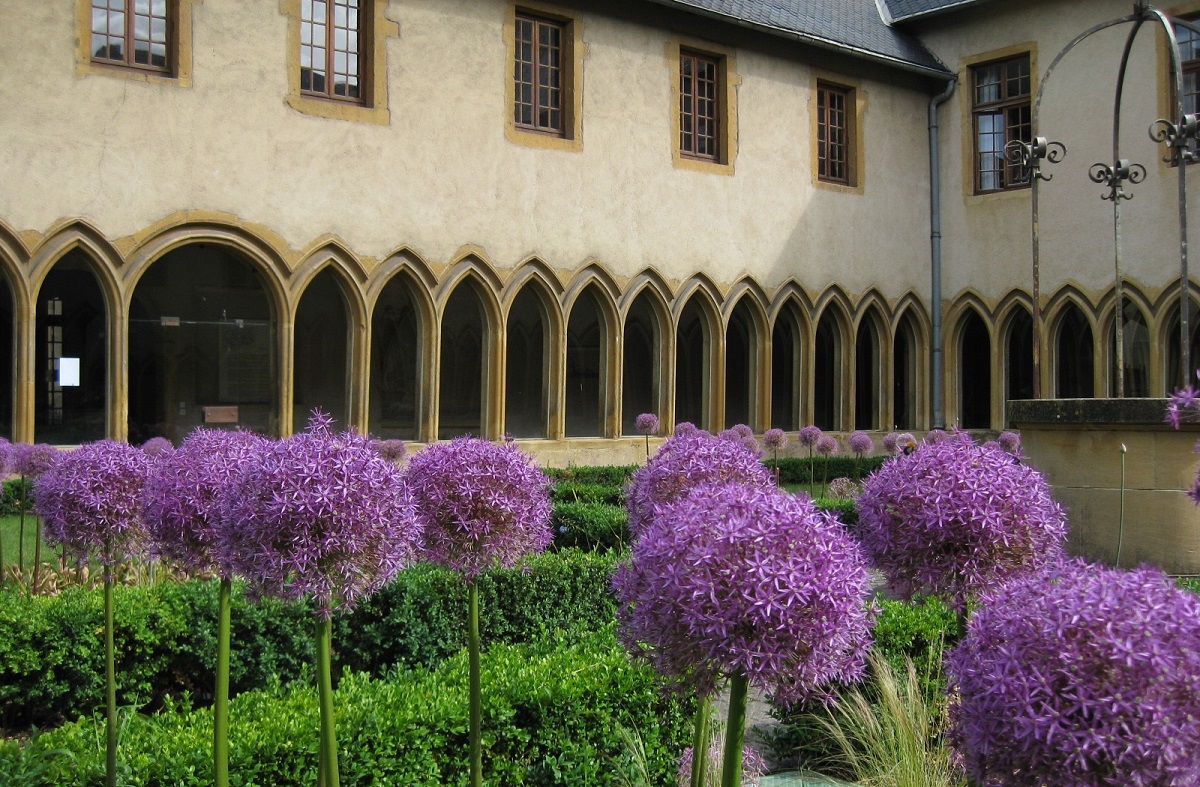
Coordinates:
[52,655]
[794,470]
[596,526]
[603,475]
[554,712]
[1189,583]
[846,510]
[905,632]
[11,497]
[577,492]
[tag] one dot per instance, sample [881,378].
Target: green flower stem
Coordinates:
[110,677]
[221,699]
[37,552]
[476,700]
[21,533]
[328,771]
[700,742]
[735,731]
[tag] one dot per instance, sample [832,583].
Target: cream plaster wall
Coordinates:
[441,175]
[987,237]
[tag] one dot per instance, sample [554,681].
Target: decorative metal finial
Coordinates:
[1116,174]
[1179,138]
[1029,155]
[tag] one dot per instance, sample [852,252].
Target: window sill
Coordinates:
[527,137]
[335,109]
[710,166]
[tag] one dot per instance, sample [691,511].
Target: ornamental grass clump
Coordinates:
[184,495]
[684,462]
[1082,675]
[743,582]
[91,501]
[954,518]
[322,515]
[482,506]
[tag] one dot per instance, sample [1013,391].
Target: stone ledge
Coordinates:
[1048,412]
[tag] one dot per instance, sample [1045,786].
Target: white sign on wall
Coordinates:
[68,372]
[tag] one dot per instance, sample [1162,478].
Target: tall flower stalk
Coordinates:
[647,424]
[482,506]
[743,583]
[775,439]
[320,515]
[91,502]
[184,495]
[809,436]
[30,462]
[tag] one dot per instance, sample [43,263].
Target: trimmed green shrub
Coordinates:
[595,526]
[604,475]
[52,656]
[10,496]
[576,492]
[554,715]
[846,510]
[794,470]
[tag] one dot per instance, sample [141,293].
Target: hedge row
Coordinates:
[51,648]
[795,470]
[554,714]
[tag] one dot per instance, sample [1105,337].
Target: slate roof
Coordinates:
[903,10]
[850,26]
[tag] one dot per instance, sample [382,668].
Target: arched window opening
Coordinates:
[974,373]
[904,377]
[1074,365]
[741,367]
[1136,353]
[1175,377]
[463,378]
[202,346]
[585,368]
[867,376]
[827,373]
[786,373]
[1018,357]
[692,367]
[396,338]
[527,367]
[642,361]
[6,358]
[321,348]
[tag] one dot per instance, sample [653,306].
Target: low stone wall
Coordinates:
[1076,443]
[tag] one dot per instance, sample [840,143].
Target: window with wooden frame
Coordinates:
[700,107]
[1001,112]
[134,34]
[835,117]
[334,43]
[1188,41]
[540,74]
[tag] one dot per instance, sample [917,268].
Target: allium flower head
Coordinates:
[809,436]
[31,460]
[482,505]
[775,439]
[1010,442]
[754,766]
[685,428]
[1184,404]
[647,424]
[891,443]
[91,500]
[827,445]
[684,462]
[843,487]
[739,578]
[5,454]
[937,436]
[906,443]
[395,451]
[744,436]
[860,442]
[157,447]
[953,519]
[319,513]
[1082,675]
[187,489]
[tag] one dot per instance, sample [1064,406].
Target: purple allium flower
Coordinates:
[682,463]
[843,487]
[809,436]
[395,451]
[157,447]
[186,490]
[937,436]
[754,766]
[740,578]
[906,443]
[775,439]
[1184,404]
[482,505]
[685,428]
[647,424]
[953,519]
[827,445]
[743,435]
[31,461]
[860,443]
[891,443]
[5,454]
[1081,675]
[91,499]
[319,513]
[1010,442]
